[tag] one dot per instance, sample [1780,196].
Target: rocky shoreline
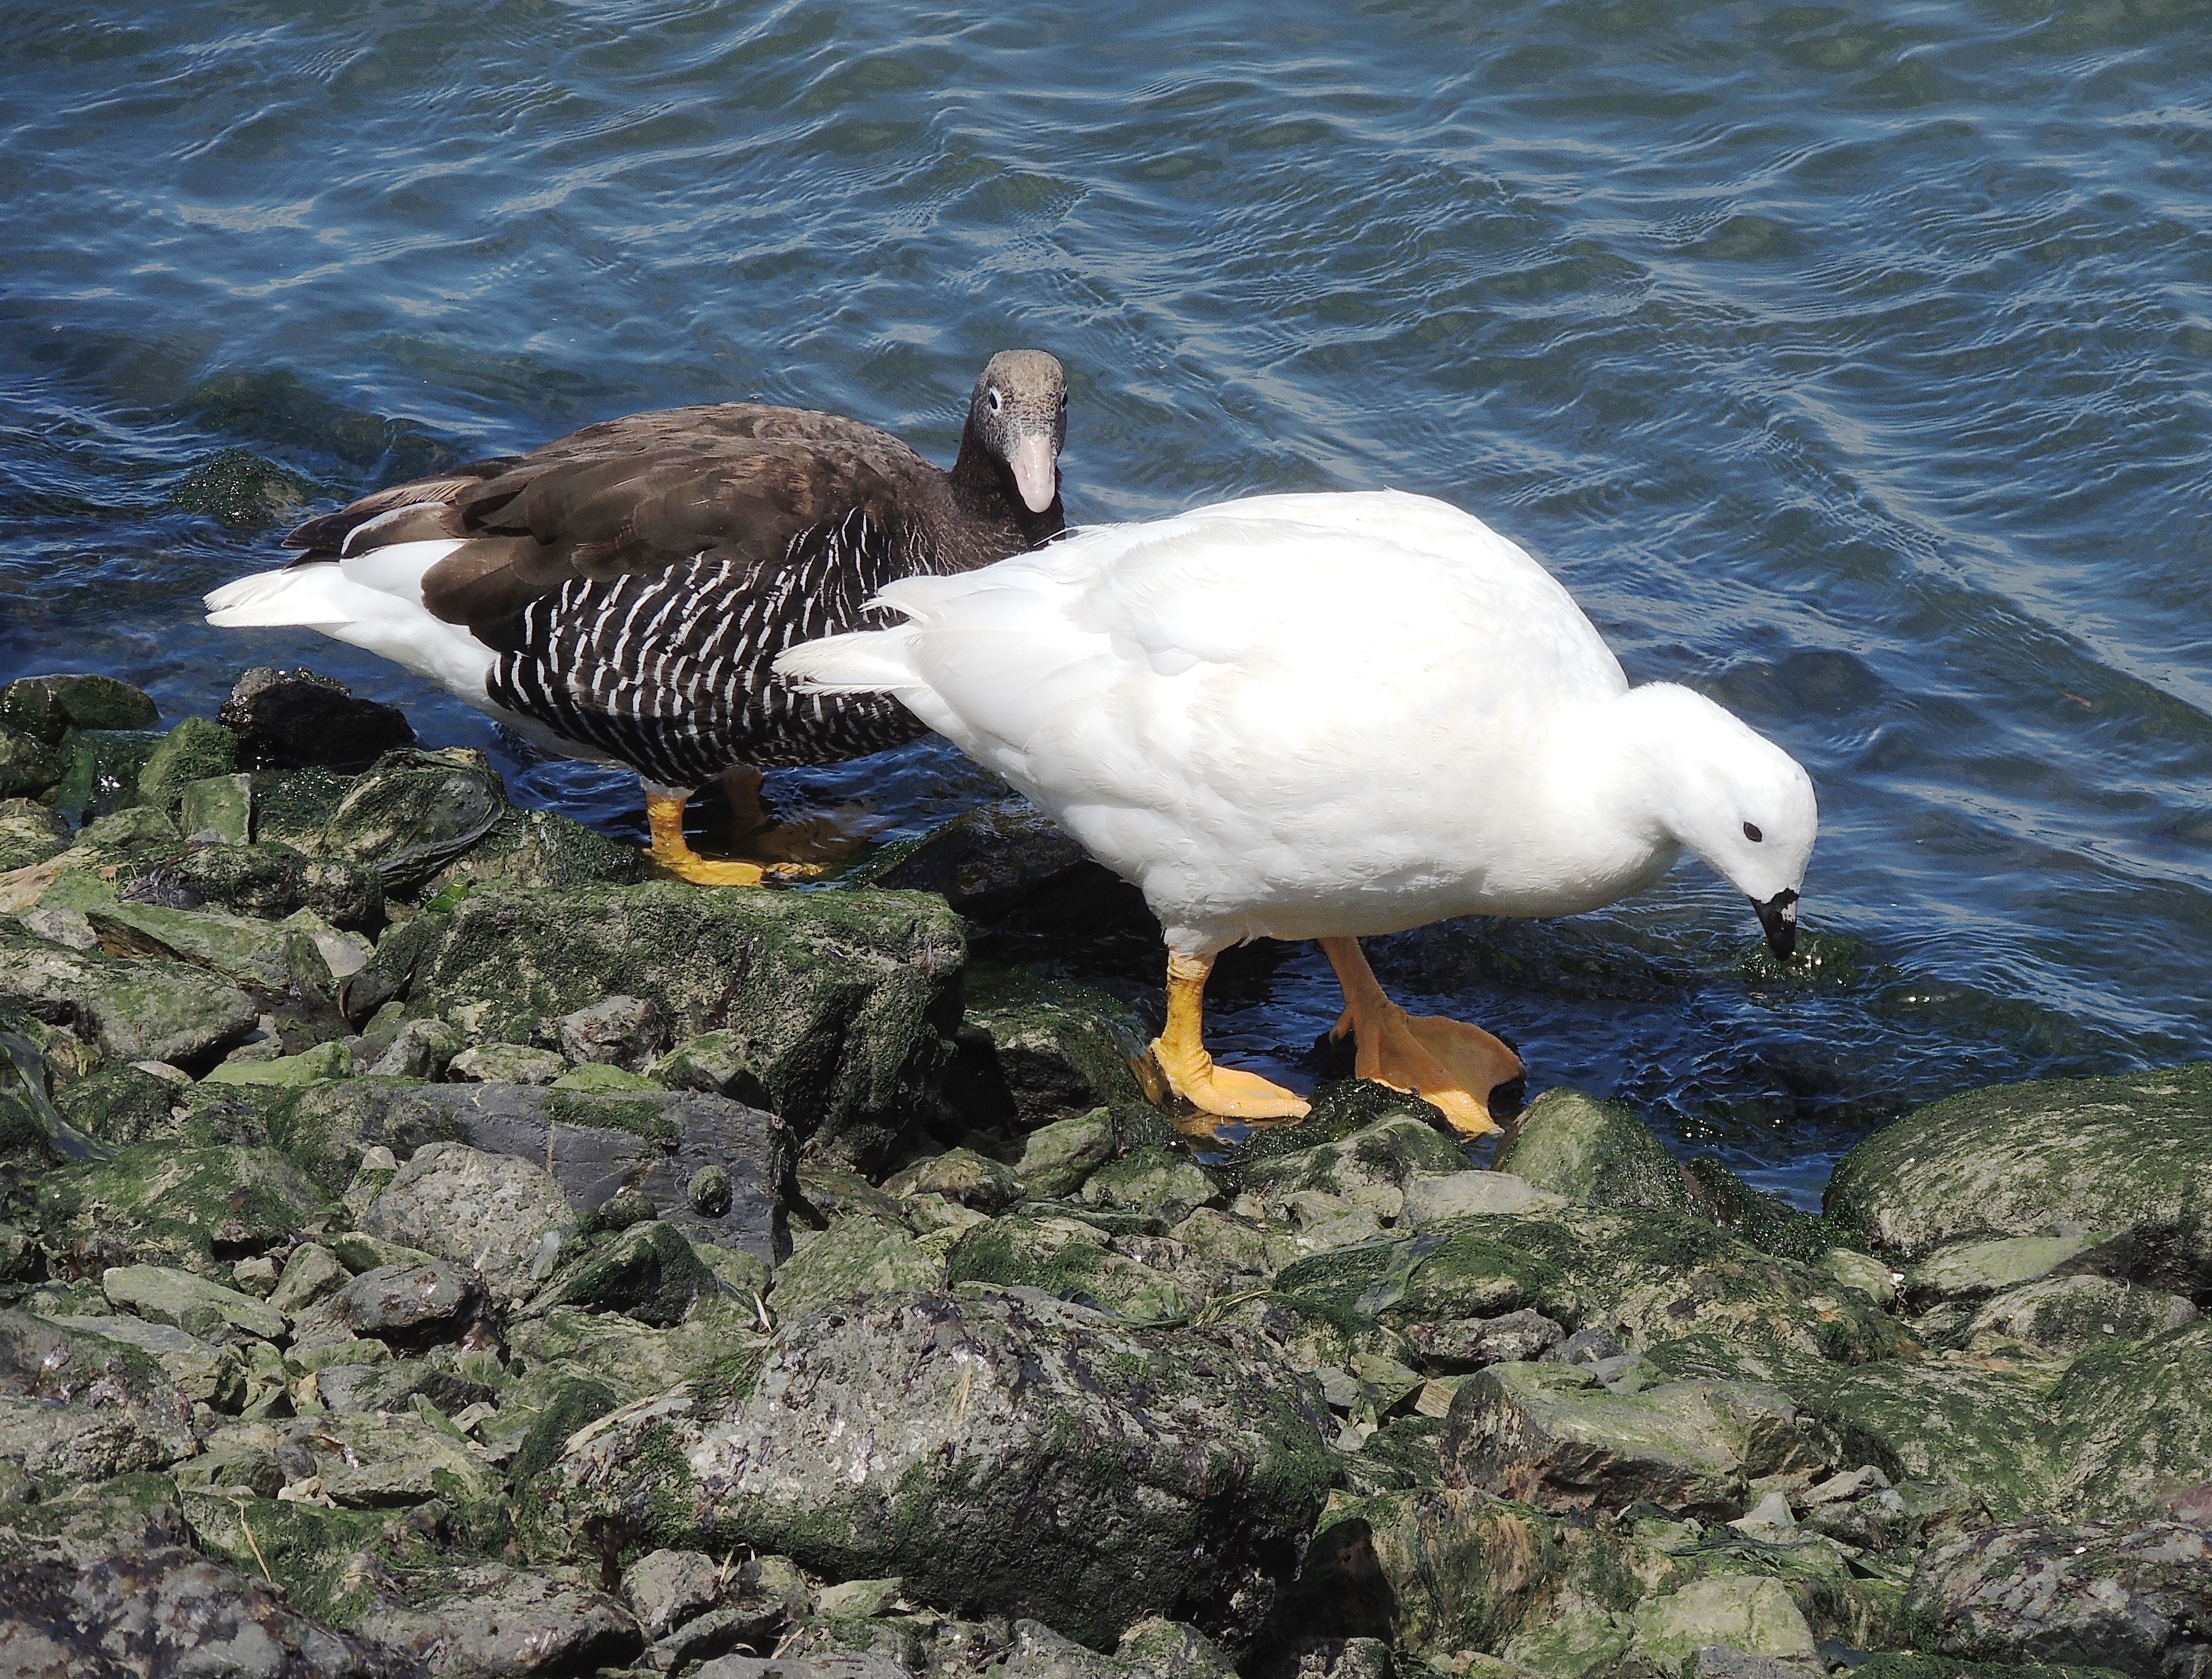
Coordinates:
[429,1248]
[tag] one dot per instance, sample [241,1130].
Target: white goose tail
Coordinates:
[311,595]
[860,662]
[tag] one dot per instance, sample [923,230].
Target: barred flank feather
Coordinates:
[671,672]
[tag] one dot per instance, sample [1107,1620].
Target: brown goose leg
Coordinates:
[1446,1062]
[1180,1050]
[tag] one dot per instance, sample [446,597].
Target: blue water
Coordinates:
[1848,362]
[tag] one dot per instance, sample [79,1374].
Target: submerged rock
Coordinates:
[49,707]
[1028,1458]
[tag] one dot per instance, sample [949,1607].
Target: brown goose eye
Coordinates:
[1750,832]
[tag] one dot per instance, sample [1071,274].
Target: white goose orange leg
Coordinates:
[1448,1063]
[1180,1050]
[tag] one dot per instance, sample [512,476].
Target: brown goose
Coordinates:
[622,594]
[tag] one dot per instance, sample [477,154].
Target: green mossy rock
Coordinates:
[1596,1153]
[325,1127]
[1387,1154]
[848,999]
[541,850]
[27,764]
[49,707]
[135,1009]
[854,1257]
[1026,1459]
[259,955]
[2135,1422]
[1739,1611]
[194,1304]
[267,881]
[2107,1154]
[165,1205]
[29,833]
[1445,1573]
[205,1372]
[1056,1158]
[100,771]
[217,805]
[1059,1048]
[2061,1316]
[413,812]
[119,1105]
[241,489]
[80,1408]
[1070,1260]
[325,1061]
[648,1272]
[1155,1179]
[313,1553]
[194,750]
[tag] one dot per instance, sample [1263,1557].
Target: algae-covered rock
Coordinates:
[205,1372]
[1057,1048]
[1003,1455]
[854,1257]
[1152,1178]
[196,1305]
[27,764]
[515,1063]
[193,749]
[242,490]
[262,958]
[648,1272]
[1386,1156]
[502,1216]
[1549,1434]
[82,1407]
[49,707]
[100,771]
[1056,1158]
[1441,1572]
[1975,1270]
[2135,1596]
[199,1210]
[217,809]
[1431,1196]
[366,1460]
[413,812]
[848,999]
[1739,1612]
[2131,1153]
[961,1175]
[135,1008]
[541,850]
[292,720]
[2134,1424]
[487,1619]
[267,880]
[119,1105]
[29,833]
[1597,1153]
[407,1305]
[1072,1260]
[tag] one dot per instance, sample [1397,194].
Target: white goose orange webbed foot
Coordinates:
[1450,1064]
[1191,1073]
[673,854]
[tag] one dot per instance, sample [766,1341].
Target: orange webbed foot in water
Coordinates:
[1191,1073]
[1450,1064]
[672,854]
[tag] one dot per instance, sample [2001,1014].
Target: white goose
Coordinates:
[1325,716]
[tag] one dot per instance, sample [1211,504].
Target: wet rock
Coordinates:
[99,777]
[262,958]
[195,748]
[199,1210]
[1046,1049]
[192,1304]
[665,1588]
[2133,1596]
[1384,1156]
[291,719]
[1179,1470]
[29,833]
[541,850]
[83,1407]
[2102,1154]
[266,880]
[1739,1612]
[1596,1153]
[622,1031]
[413,812]
[49,707]
[1467,1344]
[854,1257]
[408,1305]
[960,1175]
[648,1272]
[28,765]
[1151,1180]
[1974,1270]
[1433,1197]
[2064,1315]
[1436,1572]
[848,999]
[204,1372]
[1056,1158]
[135,1009]
[502,1217]
[509,1063]
[655,1143]
[2134,1424]
[1551,1435]
[242,490]
[164,1610]
[1073,1261]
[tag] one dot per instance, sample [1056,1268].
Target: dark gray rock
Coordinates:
[841,1665]
[666,1588]
[619,1031]
[1002,1453]
[492,1622]
[267,880]
[654,1142]
[2135,1596]
[290,720]
[1455,1346]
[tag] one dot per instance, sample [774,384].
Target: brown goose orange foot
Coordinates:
[1452,1065]
[1191,1073]
[671,852]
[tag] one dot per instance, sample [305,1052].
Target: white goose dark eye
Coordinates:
[1750,832]
[992,393]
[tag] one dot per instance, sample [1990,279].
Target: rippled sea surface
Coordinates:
[1850,363]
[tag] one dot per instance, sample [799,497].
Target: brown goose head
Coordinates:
[1017,421]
